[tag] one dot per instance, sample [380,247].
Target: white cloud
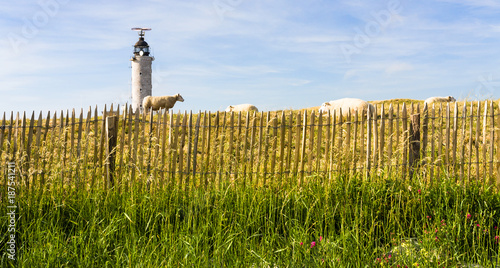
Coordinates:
[475,3]
[350,74]
[299,82]
[397,67]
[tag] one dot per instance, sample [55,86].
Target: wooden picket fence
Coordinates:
[117,149]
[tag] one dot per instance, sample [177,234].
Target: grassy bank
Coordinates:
[346,222]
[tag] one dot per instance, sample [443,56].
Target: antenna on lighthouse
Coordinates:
[141,30]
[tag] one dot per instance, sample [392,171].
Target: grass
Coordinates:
[346,222]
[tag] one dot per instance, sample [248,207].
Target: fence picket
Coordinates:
[202,150]
[297,145]
[245,148]
[2,130]
[221,144]
[266,146]
[148,176]
[23,164]
[72,136]
[142,141]
[103,142]
[470,141]
[11,141]
[391,133]
[303,149]
[425,136]
[49,147]
[348,140]
[440,141]
[157,146]
[64,144]
[232,160]
[214,157]
[259,152]
[111,140]
[207,157]
[447,148]
[484,146]
[275,142]
[22,148]
[362,137]
[414,143]
[476,141]
[85,155]
[78,150]
[310,148]
[405,140]
[332,144]
[433,151]
[368,143]
[189,149]
[36,150]
[288,166]
[375,139]
[252,145]
[355,139]
[135,144]
[455,142]
[382,137]
[195,149]
[96,152]
[492,142]
[181,149]
[28,152]
[397,135]
[340,163]
[497,163]
[53,147]
[462,161]
[318,144]
[120,153]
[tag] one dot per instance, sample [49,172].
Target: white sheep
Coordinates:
[160,102]
[241,108]
[439,99]
[347,104]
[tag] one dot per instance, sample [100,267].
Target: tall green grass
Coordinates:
[352,222]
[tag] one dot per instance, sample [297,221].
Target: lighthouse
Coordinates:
[141,70]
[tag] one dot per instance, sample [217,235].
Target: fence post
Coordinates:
[111,134]
[414,143]
[368,144]
[425,132]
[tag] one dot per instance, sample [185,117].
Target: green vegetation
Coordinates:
[345,222]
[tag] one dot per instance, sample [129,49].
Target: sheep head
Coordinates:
[178,97]
[324,109]
[451,99]
[229,108]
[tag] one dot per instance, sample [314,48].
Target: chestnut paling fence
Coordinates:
[117,149]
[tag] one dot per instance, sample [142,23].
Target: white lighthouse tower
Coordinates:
[141,70]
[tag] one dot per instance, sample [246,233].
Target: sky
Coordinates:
[67,54]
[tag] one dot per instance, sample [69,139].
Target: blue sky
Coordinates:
[64,54]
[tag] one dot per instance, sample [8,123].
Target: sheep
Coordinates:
[241,108]
[160,102]
[347,104]
[439,99]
